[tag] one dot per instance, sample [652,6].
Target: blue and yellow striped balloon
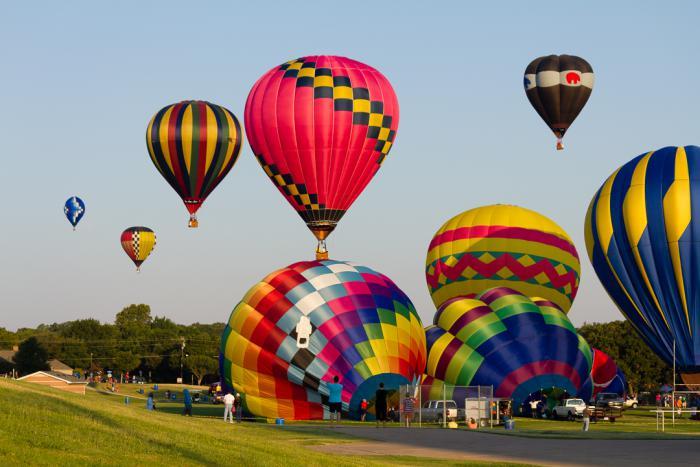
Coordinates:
[643,237]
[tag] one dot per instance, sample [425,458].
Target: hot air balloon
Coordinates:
[310,321]
[605,377]
[502,246]
[642,233]
[321,126]
[74,209]
[523,347]
[193,144]
[138,242]
[558,86]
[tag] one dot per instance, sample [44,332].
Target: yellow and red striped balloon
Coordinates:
[138,242]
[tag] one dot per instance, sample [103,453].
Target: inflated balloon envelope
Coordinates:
[558,86]
[502,246]
[642,233]
[321,127]
[521,346]
[74,209]
[138,242]
[605,377]
[363,329]
[194,145]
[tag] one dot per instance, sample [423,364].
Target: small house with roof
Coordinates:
[57,380]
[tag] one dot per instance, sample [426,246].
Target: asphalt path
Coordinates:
[468,445]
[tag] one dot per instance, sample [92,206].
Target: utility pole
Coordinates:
[90,365]
[182,358]
[673,397]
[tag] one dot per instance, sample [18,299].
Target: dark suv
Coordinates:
[609,399]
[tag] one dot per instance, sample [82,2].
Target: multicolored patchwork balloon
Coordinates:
[194,145]
[558,86]
[502,246]
[74,209]
[138,242]
[642,233]
[521,346]
[310,321]
[321,126]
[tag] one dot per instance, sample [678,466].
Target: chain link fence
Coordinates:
[451,406]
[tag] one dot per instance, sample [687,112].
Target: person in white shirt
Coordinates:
[228,406]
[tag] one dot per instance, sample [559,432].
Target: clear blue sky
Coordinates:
[80,80]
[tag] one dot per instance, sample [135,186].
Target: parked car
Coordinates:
[609,399]
[434,410]
[569,408]
[631,402]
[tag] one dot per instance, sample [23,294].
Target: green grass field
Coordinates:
[43,426]
[635,424]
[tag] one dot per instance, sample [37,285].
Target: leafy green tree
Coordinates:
[201,366]
[31,357]
[134,318]
[126,361]
[7,339]
[164,338]
[88,330]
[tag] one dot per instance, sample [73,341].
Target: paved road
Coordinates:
[461,444]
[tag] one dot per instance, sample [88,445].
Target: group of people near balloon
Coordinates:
[502,277]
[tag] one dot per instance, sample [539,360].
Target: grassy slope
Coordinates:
[50,427]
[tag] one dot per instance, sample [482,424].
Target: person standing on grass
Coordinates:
[238,405]
[533,408]
[335,391]
[408,406]
[363,410]
[380,404]
[228,406]
[150,405]
[187,397]
[586,418]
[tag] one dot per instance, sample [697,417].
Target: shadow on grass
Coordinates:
[122,428]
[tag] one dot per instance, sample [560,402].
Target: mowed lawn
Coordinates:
[635,424]
[44,426]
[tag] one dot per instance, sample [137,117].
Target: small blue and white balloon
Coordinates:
[74,210]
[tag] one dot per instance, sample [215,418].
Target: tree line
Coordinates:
[153,347]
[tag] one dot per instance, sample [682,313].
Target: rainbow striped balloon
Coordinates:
[310,321]
[521,346]
[502,246]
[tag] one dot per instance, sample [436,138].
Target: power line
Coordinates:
[112,358]
[119,342]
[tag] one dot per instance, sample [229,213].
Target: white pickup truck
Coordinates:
[569,408]
[433,411]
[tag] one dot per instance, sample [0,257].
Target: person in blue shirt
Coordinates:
[188,402]
[335,403]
